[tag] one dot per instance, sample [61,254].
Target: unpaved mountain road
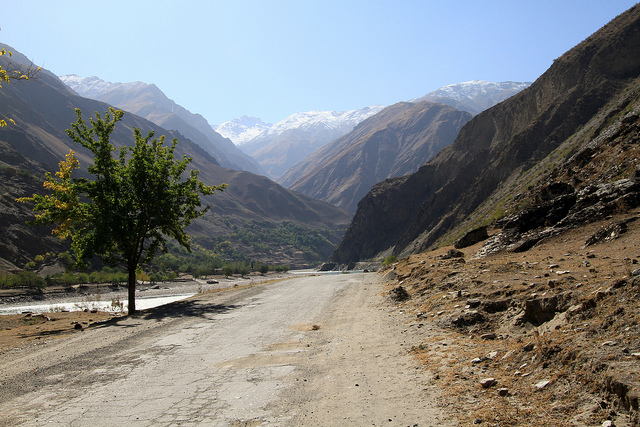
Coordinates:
[318,350]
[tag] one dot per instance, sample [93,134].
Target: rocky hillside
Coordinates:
[502,152]
[544,337]
[148,101]
[394,142]
[290,140]
[253,214]
[475,96]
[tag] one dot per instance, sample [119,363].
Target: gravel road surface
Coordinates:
[320,350]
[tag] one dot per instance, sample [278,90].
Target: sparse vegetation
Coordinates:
[389,260]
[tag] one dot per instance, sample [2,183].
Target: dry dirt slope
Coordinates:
[546,337]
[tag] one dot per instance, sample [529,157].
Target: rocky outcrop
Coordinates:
[568,210]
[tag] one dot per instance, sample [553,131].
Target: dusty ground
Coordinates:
[19,330]
[555,327]
[553,330]
[321,350]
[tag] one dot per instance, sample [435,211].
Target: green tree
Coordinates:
[136,202]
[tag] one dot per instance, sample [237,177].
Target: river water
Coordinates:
[115,305]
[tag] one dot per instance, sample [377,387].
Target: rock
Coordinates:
[473,302]
[478,360]
[608,423]
[490,336]
[492,355]
[540,310]
[453,253]
[541,385]
[472,237]
[496,306]
[399,294]
[469,318]
[508,354]
[77,326]
[503,392]
[488,382]
[390,275]
[327,266]
[529,347]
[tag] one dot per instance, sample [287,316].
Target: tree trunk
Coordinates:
[132,290]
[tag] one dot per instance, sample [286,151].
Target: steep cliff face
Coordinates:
[394,142]
[409,214]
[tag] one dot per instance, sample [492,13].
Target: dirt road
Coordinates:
[319,350]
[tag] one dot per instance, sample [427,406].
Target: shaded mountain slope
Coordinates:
[44,108]
[411,213]
[148,101]
[394,142]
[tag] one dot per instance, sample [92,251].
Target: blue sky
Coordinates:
[270,59]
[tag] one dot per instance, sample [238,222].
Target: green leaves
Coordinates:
[136,201]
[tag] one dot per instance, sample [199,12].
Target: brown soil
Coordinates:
[561,312]
[28,329]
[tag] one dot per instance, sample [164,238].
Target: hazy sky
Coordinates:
[270,59]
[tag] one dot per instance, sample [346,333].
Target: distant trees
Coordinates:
[136,202]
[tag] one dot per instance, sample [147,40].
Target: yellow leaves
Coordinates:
[62,206]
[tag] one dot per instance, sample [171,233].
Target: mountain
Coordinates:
[148,101]
[499,155]
[243,129]
[394,142]
[254,215]
[290,140]
[475,96]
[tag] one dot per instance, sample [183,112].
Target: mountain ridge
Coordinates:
[252,204]
[148,101]
[291,139]
[474,96]
[394,142]
[409,214]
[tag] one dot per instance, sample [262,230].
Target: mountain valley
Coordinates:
[247,215]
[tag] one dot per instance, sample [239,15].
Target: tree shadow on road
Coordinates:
[186,308]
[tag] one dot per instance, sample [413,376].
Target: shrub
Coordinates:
[389,260]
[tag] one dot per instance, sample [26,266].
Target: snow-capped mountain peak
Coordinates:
[474,96]
[93,87]
[242,129]
[325,119]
